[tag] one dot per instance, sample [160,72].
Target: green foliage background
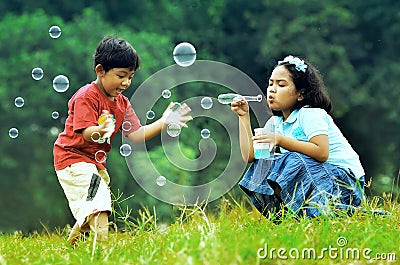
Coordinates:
[355,45]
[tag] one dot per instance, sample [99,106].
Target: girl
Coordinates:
[317,166]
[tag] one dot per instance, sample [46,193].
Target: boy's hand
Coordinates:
[108,126]
[240,106]
[177,114]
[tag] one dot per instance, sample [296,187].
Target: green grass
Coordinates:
[232,234]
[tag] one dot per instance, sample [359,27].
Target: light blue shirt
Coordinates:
[305,123]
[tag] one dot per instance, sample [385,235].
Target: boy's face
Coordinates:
[115,81]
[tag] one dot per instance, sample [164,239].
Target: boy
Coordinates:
[95,114]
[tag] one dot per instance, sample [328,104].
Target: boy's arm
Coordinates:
[169,116]
[147,131]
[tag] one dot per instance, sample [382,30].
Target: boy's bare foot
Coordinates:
[74,235]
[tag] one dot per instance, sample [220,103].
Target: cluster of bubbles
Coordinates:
[60,83]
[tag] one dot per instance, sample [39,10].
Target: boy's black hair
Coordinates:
[113,52]
[311,85]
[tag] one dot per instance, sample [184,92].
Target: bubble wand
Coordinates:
[228,98]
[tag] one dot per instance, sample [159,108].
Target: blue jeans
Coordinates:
[307,187]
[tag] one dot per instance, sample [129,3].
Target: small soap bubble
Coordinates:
[126,126]
[37,73]
[125,150]
[55,115]
[55,32]
[184,54]
[95,136]
[166,93]
[176,106]
[150,115]
[100,156]
[161,181]
[173,129]
[205,133]
[206,103]
[13,133]
[19,102]
[60,83]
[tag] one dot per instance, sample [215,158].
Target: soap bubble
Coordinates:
[173,129]
[37,73]
[55,32]
[176,106]
[166,93]
[125,150]
[19,102]
[95,136]
[13,133]
[206,103]
[55,115]
[205,133]
[161,181]
[126,126]
[150,115]
[184,54]
[100,156]
[60,83]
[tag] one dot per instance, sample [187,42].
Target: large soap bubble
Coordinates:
[184,54]
[60,83]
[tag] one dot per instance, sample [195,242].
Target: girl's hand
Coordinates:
[176,114]
[269,137]
[240,106]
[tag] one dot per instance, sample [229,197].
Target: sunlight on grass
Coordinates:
[234,233]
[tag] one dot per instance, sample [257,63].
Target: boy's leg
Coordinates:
[74,234]
[99,225]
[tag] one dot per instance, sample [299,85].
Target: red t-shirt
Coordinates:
[84,110]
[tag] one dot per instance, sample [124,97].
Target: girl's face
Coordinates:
[115,81]
[281,93]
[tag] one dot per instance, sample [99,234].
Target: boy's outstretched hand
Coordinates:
[177,114]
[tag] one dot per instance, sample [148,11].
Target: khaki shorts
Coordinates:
[86,189]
